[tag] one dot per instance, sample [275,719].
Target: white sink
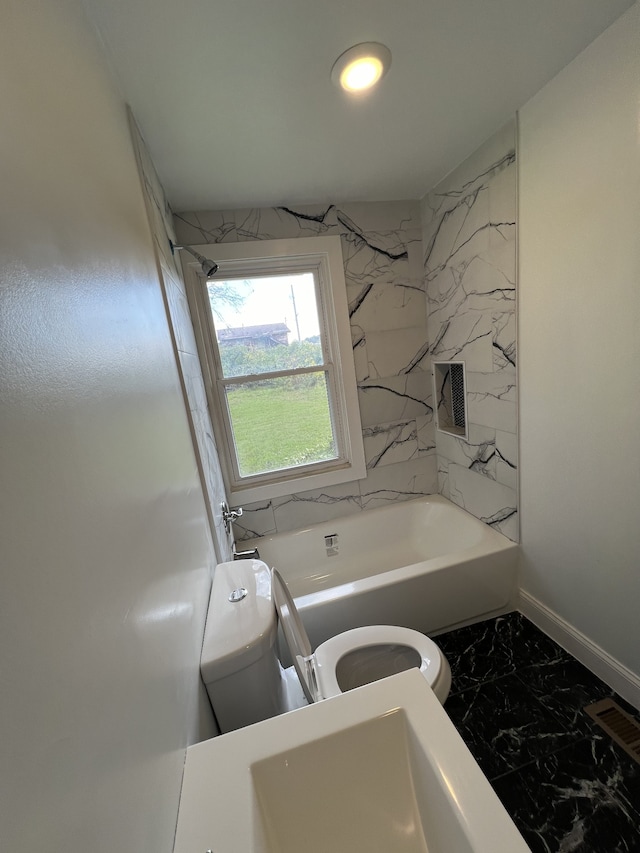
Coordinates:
[376,770]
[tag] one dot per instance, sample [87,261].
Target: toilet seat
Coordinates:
[358,656]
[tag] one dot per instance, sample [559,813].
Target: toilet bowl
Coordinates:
[356,657]
[244,678]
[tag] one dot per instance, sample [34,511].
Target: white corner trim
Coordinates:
[611,671]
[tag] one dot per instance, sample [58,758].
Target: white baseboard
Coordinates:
[611,671]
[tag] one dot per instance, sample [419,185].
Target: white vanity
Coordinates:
[378,769]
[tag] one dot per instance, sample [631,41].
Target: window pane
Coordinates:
[266,324]
[281,423]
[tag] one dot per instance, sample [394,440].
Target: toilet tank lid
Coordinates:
[238,632]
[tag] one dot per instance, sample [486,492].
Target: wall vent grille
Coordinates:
[620,726]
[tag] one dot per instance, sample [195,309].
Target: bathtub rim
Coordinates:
[490,541]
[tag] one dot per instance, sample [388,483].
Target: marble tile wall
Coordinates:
[161,221]
[469,232]
[383,261]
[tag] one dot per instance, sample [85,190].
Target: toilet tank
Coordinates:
[239,662]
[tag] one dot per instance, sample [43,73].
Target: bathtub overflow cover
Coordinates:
[238,594]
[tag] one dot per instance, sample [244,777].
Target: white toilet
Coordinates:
[239,664]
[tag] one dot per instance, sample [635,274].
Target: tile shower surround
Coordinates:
[517,700]
[382,250]
[468,234]
[386,289]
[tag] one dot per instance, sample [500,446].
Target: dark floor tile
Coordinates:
[475,654]
[564,686]
[584,798]
[525,642]
[517,699]
[494,648]
[505,726]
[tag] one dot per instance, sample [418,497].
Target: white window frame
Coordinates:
[261,258]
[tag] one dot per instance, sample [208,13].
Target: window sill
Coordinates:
[294,485]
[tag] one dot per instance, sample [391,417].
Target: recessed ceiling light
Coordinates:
[361,67]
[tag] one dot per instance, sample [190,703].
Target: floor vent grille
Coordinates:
[619,725]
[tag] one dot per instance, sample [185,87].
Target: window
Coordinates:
[275,344]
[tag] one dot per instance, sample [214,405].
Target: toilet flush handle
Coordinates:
[238,594]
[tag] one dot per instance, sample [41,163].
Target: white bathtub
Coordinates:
[424,564]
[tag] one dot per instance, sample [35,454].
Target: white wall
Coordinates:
[103,534]
[184,344]
[579,342]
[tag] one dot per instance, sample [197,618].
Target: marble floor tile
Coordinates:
[494,648]
[564,687]
[583,798]
[504,726]
[518,702]
[475,655]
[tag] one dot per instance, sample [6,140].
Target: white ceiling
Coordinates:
[236,105]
